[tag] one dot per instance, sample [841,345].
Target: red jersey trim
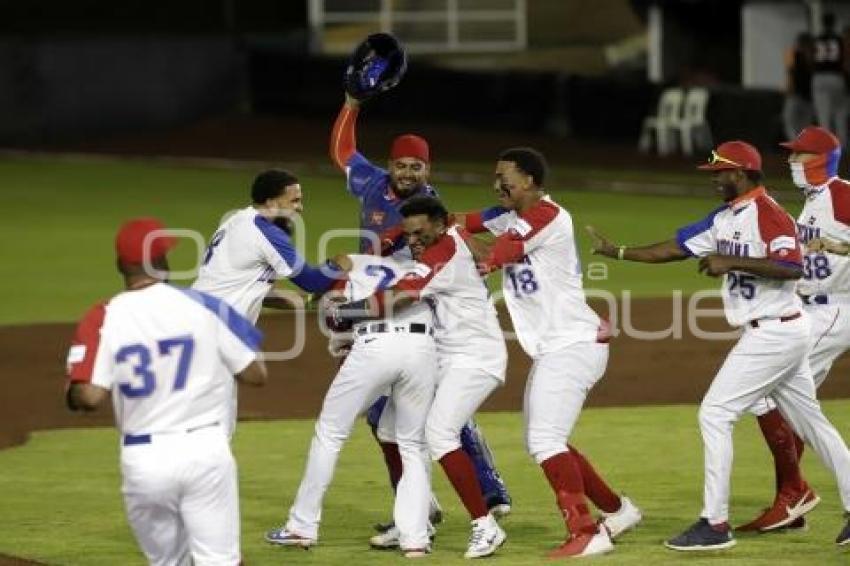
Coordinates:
[773,223]
[839,190]
[343,136]
[87,335]
[436,257]
[475,222]
[538,217]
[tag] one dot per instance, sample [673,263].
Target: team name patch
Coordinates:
[783,243]
[76,354]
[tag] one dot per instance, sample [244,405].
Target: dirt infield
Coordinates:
[639,373]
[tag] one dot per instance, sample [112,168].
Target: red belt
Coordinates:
[795,316]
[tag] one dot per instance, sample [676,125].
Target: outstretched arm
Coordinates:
[343,142]
[717,265]
[661,252]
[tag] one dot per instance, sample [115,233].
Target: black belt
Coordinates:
[795,316]
[134,439]
[815,299]
[413,328]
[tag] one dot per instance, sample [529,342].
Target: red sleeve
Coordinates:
[839,190]
[84,346]
[538,217]
[436,257]
[388,238]
[779,233]
[343,136]
[475,222]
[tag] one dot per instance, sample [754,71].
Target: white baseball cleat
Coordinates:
[486,537]
[284,537]
[390,538]
[622,520]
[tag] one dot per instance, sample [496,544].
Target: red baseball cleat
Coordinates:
[786,509]
[584,544]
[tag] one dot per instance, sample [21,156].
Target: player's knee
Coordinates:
[331,435]
[714,416]
[441,440]
[541,447]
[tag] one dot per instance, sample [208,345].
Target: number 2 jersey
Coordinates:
[543,290]
[826,214]
[755,226]
[167,354]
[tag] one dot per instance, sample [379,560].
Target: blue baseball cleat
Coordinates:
[843,538]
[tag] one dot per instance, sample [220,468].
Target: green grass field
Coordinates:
[61,501]
[60,218]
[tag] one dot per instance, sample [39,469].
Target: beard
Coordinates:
[283,223]
[729,191]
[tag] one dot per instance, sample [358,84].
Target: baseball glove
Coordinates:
[376,65]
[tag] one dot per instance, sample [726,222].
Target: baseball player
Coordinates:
[471,351]
[381,194]
[252,248]
[168,356]
[395,352]
[824,227]
[752,243]
[567,340]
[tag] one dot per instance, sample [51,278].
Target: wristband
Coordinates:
[621,252]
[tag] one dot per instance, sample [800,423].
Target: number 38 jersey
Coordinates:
[754,226]
[826,214]
[167,354]
[544,292]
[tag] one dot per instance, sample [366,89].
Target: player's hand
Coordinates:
[715,265]
[827,245]
[599,244]
[351,102]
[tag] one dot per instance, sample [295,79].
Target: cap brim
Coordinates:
[716,167]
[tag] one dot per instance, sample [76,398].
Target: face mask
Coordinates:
[798,175]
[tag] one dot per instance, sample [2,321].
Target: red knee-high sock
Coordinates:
[595,487]
[392,458]
[780,439]
[565,477]
[800,446]
[461,473]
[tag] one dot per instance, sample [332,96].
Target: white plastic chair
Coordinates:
[664,124]
[693,129]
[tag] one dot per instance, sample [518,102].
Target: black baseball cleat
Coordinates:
[703,536]
[843,538]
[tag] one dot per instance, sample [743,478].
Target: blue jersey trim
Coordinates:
[249,334]
[493,212]
[280,241]
[692,230]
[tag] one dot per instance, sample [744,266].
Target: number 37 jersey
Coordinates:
[167,354]
[753,226]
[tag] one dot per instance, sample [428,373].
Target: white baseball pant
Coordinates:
[407,363]
[770,360]
[182,497]
[830,338]
[555,391]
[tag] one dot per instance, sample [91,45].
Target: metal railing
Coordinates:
[444,26]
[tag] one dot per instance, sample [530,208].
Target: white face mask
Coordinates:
[798,175]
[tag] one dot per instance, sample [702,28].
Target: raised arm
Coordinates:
[343,143]
[661,252]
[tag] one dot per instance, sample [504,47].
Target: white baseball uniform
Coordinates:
[553,322]
[244,258]
[825,287]
[770,359]
[395,353]
[470,345]
[169,355]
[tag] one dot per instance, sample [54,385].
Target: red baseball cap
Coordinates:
[142,239]
[410,145]
[733,155]
[813,139]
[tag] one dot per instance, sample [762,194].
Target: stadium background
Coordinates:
[170,109]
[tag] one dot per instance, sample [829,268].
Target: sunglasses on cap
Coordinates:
[717,158]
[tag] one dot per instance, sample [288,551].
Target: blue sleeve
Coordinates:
[249,334]
[280,241]
[493,212]
[316,279]
[685,234]
[361,174]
